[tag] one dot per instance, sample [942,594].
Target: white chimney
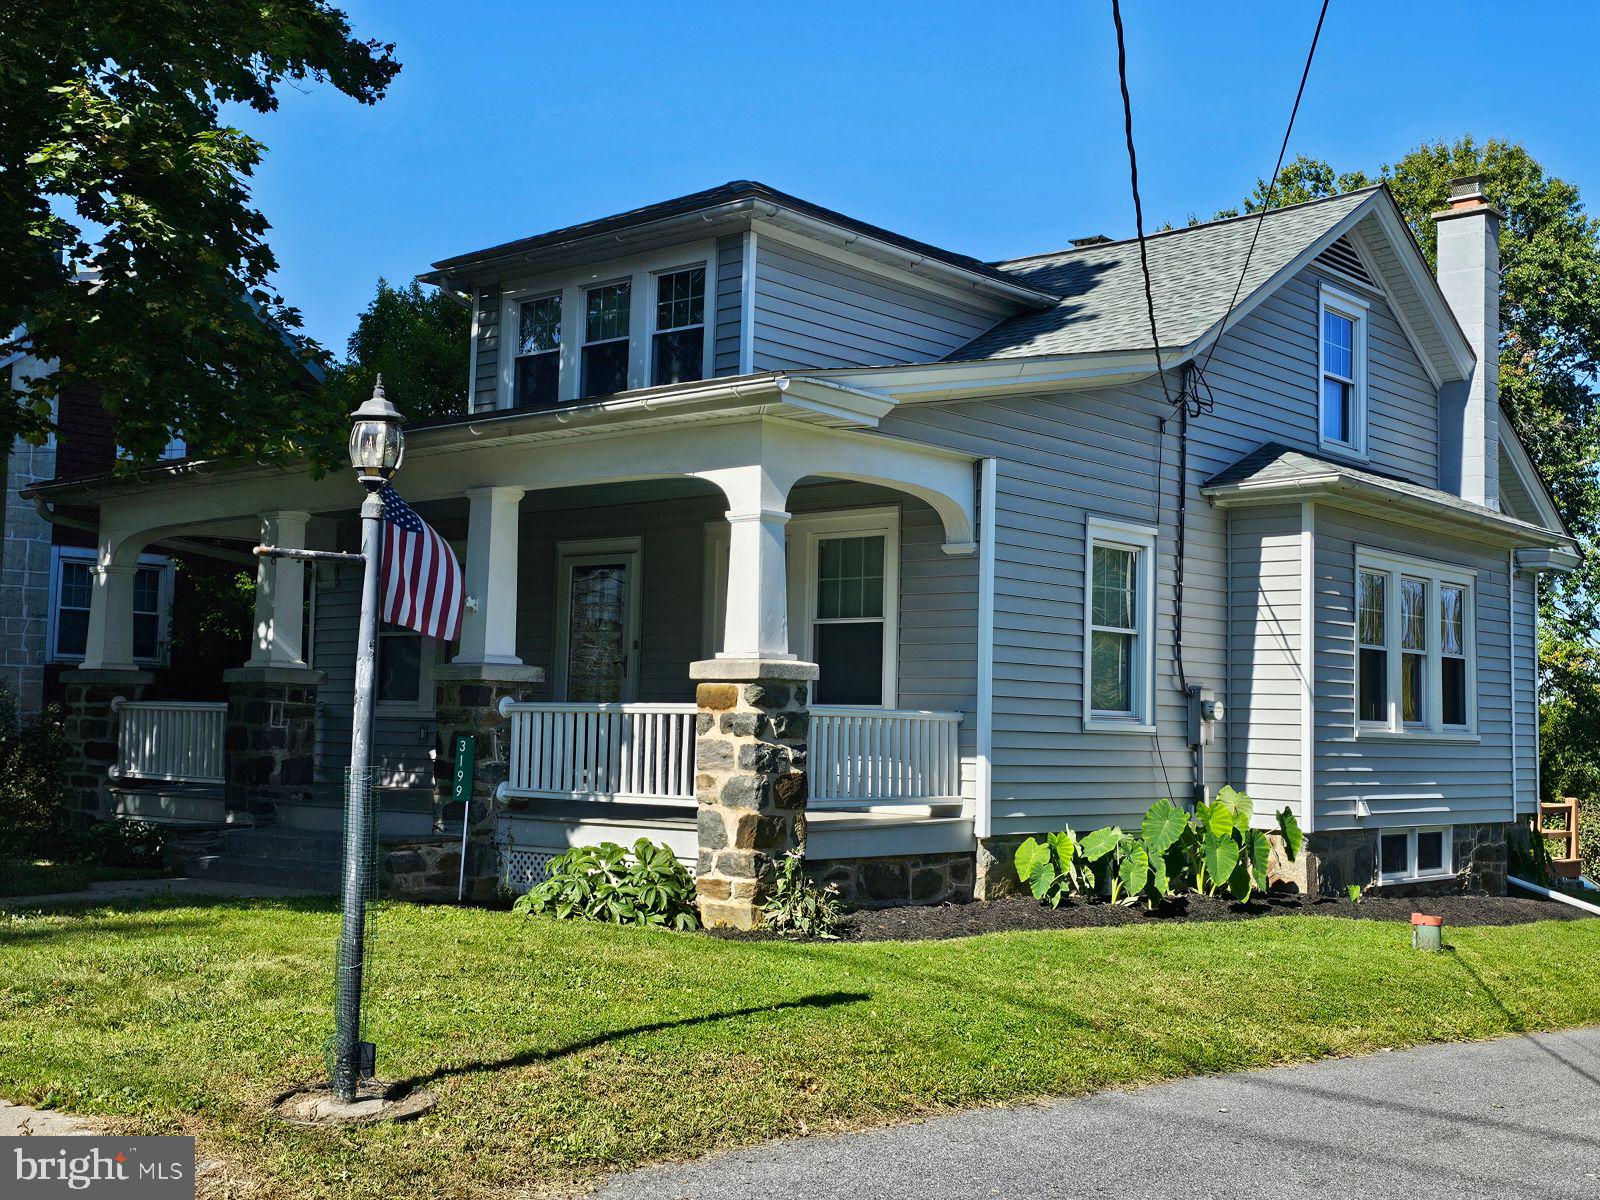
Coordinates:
[1469,411]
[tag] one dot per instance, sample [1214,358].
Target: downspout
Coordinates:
[1552,894]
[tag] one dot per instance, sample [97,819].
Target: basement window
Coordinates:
[1408,855]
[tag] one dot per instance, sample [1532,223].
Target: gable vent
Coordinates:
[1341,256]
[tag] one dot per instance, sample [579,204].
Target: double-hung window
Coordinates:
[678,346]
[605,339]
[538,352]
[73,589]
[1342,371]
[1414,646]
[1119,663]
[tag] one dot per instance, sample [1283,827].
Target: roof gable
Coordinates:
[1194,273]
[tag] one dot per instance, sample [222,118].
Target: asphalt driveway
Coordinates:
[1516,1117]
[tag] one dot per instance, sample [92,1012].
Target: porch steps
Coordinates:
[296,858]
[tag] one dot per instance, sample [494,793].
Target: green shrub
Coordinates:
[1172,853]
[606,883]
[123,844]
[800,905]
[34,822]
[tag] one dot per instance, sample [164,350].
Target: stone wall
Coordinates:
[425,869]
[906,879]
[25,578]
[1332,860]
[270,741]
[467,701]
[89,727]
[750,783]
[995,874]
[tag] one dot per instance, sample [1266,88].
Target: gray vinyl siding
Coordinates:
[728,306]
[813,312]
[401,738]
[1527,683]
[486,353]
[1410,781]
[1265,695]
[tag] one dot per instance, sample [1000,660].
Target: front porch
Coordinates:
[611,581]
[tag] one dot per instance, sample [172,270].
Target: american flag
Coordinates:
[422,584]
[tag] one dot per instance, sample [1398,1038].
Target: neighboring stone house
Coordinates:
[784,529]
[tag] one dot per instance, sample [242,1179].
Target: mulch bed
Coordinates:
[934,922]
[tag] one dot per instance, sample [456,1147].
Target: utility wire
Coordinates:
[1266,201]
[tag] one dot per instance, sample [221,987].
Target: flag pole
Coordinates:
[376,447]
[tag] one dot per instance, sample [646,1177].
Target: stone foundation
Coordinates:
[270,742]
[425,869]
[467,701]
[750,781]
[1331,861]
[995,872]
[906,879]
[89,727]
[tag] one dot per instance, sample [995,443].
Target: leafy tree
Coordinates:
[130,250]
[417,339]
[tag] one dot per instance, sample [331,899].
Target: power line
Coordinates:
[1266,201]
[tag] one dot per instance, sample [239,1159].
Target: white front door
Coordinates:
[597,621]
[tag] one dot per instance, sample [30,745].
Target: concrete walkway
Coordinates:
[1517,1117]
[136,889]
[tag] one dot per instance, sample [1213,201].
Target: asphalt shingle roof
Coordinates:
[1274,462]
[1193,274]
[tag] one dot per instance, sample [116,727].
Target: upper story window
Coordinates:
[601,328]
[678,346]
[538,371]
[1118,664]
[605,339]
[1342,371]
[1415,661]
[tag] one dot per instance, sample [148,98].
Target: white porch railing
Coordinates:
[172,740]
[860,757]
[611,752]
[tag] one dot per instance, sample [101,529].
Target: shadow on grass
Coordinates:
[529,1057]
[1514,1022]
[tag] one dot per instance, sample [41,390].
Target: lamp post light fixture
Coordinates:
[377,445]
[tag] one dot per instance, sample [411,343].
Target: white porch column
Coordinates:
[489,634]
[757,625]
[110,639]
[280,594]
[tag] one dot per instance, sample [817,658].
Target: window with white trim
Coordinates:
[538,370]
[1342,371]
[72,589]
[1405,855]
[605,339]
[1119,660]
[678,345]
[1415,669]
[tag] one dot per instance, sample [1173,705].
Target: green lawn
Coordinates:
[40,877]
[563,1051]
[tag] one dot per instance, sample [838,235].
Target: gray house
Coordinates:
[781,528]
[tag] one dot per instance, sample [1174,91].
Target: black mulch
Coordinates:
[933,922]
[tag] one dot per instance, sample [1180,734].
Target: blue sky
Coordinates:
[992,129]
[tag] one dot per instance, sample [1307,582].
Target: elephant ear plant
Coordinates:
[1172,852]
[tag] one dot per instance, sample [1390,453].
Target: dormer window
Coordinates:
[1342,370]
[539,352]
[678,347]
[605,339]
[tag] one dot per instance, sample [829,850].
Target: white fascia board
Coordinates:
[1528,475]
[930,382]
